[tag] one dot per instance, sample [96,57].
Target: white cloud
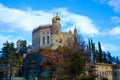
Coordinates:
[29,19]
[9,38]
[115,4]
[115,31]
[23,19]
[115,19]
[110,47]
[83,23]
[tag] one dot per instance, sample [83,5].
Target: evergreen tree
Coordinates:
[117,60]
[100,53]
[11,59]
[94,52]
[104,57]
[90,50]
[78,64]
[110,60]
[113,59]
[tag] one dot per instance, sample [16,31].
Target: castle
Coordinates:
[50,36]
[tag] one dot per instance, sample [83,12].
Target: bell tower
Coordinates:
[56,26]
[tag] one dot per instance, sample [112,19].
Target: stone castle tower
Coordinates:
[56,26]
[50,36]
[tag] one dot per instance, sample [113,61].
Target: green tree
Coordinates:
[100,53]
[78,65]
[92,51]
[78,57]
[109,58]
[104,57]
[11,59]
[117,60]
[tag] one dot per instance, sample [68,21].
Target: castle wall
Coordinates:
[45,38]
[41,37]
[50,36]
[67,38]
[36,40]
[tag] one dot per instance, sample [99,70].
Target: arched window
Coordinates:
[43,40]
[47,39]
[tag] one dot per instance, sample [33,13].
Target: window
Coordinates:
[43,40]
[43,33]
[47,39]
[48,32]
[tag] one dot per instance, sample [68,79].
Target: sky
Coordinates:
[95,19]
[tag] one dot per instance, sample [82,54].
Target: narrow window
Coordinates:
[43,40]
[43,33]
[48,32]
[47,39]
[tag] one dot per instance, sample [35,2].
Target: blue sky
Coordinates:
[96,19]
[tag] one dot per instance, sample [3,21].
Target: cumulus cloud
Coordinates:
[115,4]
[29,19]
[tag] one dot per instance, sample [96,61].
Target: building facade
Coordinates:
[104,71]
[116,72]
[50,36]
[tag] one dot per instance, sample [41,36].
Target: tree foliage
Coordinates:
[100,56]
[11,59]
[100,52]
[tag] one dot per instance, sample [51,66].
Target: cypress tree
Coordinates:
[110,61]
[93,51]
[100,53]
[104,57]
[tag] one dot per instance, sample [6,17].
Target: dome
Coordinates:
[57,17]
